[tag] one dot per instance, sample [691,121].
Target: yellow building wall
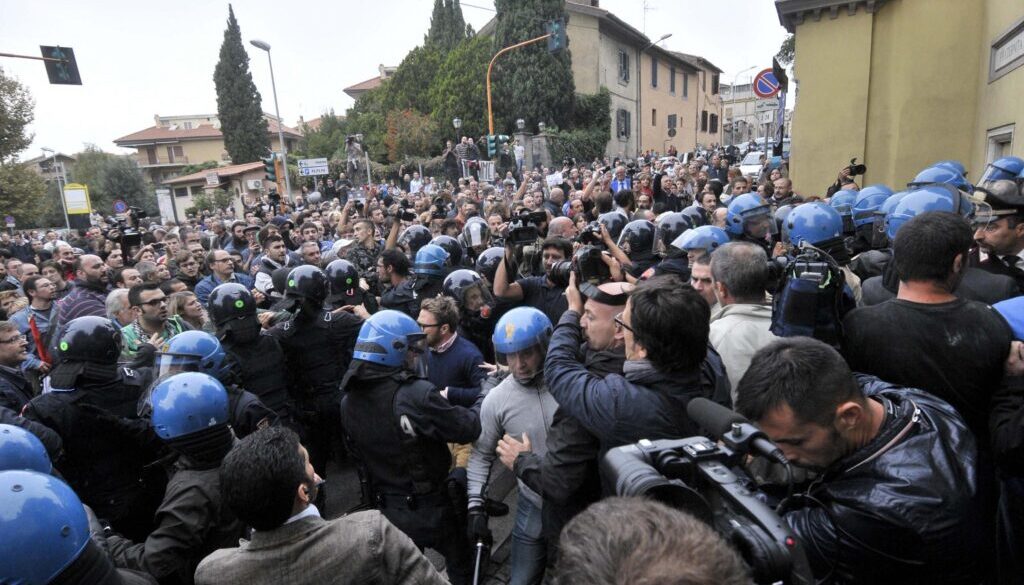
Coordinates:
[584,45]
[899,89]
[199,151]
[829,118]
[655,137]
[1000,102]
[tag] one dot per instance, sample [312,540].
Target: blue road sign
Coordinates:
[765,84]
[120,206]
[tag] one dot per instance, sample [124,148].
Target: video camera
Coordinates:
[127,228]
[525,228]
[586,262]
[439,209]
[856,169]
[705,479]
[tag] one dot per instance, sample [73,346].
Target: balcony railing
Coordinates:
[160,161]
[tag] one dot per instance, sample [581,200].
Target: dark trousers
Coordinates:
[1010,521]
[320,431]
[435,527]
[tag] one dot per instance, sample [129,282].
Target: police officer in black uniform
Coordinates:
[94,407]
[258,360]
[998,230]
[398,425]
[345,289]
[318,348]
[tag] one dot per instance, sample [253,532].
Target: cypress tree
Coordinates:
[529,82]
[239,106]
[447,26]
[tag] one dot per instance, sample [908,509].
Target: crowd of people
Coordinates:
[172,395]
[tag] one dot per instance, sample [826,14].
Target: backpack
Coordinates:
[812,298]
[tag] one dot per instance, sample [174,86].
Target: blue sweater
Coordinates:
[458,369]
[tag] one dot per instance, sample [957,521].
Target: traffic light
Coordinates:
[270,168]
[65,71]
[279,172]
[492,146]
[556,28]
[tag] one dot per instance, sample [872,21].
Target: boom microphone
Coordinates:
[733,429]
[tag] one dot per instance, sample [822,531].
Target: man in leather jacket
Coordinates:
[397,425]
[898,496]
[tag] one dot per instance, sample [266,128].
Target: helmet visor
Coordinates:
[475,297]
[175,363]
[758,222]
[416,355]
[994,172]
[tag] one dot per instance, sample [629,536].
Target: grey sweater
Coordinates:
[514,409]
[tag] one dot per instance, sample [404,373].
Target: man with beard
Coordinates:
[275,256]
[152,326]
[89,294]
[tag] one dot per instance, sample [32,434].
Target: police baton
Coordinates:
[478,564]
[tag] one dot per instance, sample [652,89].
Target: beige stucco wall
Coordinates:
[655,136]
[900,89]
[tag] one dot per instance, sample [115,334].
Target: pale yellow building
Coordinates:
[668,101]
[174,142]
[901,84]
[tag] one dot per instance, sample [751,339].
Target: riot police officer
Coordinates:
[430,271]
[45,535]
[637,242]
[318,348]
[198,351]
[190,415]
[345,287]
[749,219]
[478,308]
[413,238]
[257,359]
[398,425]
[487,263]
[94,408]
[454,250]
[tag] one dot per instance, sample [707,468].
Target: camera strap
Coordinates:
[595,294]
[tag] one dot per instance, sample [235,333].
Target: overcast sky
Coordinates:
[138,59]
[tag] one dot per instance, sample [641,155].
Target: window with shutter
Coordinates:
[714,123]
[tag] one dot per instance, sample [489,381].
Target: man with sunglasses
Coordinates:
[152,326]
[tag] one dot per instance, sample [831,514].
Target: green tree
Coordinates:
[22,193]
[408,87]
[239,106]
[368,117]
[16,113]
[410,133]
[787,52]
[447,26]
[458,88]
[110,177]
[529,82]
[326,139]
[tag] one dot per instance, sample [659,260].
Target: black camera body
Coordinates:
[701,477]
[586,263]
[856,169]
[525,228]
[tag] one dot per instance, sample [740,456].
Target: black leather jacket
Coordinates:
[905,508]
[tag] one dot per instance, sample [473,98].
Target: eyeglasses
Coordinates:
[15,339]
[619,322]
[154,302]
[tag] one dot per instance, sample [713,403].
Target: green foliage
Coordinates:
[408,87]
[458,88]
[239,106]
[16,113]
[221,199]
[409,133]
[326,139]
[202,202]
[594,111]
[787,52]
[110,177]
[447,27]
[189,169]
[583,144]
[21,193]
[529,82]
[368,117]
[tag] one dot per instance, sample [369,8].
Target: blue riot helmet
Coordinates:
[193,351]
[394,339]
[842,201]
[935,197]
[430,261]
[452,246]
[880,228]
[188,403]
[1006,168]
[953,165]
[700,240]
[521,341]
[867,202]
[943,175]
[669,227]
[20,449]
[43,527]
[813,223]
[749,214]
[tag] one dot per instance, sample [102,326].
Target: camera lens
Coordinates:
[559,273]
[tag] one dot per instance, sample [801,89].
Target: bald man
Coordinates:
[89,295]
[563,227]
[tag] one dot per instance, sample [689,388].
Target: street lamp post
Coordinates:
[457,123]
[60,188]
[280,130]
[639,89]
